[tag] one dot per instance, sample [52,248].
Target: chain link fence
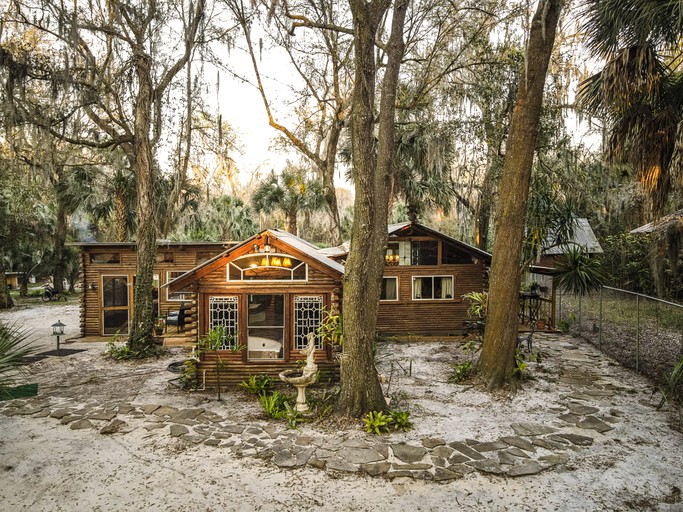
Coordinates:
[641,332]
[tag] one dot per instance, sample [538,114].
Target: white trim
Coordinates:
[268,256]
[412,288]
[169,279]
[397,289]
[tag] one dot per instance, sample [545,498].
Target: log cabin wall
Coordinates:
[100,261]
[407,316]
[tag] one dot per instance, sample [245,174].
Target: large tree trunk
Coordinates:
[327,171]
[360,388]
[143,307]
[291,221]
[497,358]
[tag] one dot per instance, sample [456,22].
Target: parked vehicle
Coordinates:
[51,294]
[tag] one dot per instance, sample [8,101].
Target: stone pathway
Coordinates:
[529,449]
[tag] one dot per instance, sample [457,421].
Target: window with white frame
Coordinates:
[308,315]
[389,288]
[267,267]
[223,314]
[181,295]
[433,288]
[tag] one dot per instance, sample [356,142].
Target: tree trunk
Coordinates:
[497,358]
[291,221]
[5,297]
[327,172]
[143,307]
[121,214]
[360,388]
[59,261]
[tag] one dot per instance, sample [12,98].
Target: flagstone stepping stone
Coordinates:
[106,415]
[60,413]
[578,440]
[112,427]
[187,414]
[81,424]
[431,442]
[164,410]
[234,429]
[458,458]
[303,440]
[519,442]
[442,475]
[125,408]
[209,417]
[361,455]
[517,452]
[149,409]
[593,423]
[212,442]
[316,463]
[570,418]
[505,457]
[408,453]
[467,451]
[68,419]
[548,445]
[178,430]
[582,409]
[553,459]
[439,461]
[490,446]
[410,467]
[324,453]
[337,464]
[530,467]
[44,413]
[487,466]
[193,438]
[153,426]
[443,451]
[418,475]
[531,429]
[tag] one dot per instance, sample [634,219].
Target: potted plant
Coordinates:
[159,326]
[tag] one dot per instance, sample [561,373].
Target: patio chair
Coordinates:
[177,318]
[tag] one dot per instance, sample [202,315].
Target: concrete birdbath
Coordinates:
[301,379]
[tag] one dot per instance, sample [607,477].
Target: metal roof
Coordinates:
[583,237]
[661,224]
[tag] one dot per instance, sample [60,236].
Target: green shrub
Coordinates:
[400,421]
[377,422]
[257,384]
[461,372]
[274,405]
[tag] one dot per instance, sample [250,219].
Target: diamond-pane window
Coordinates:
[223,312]
[308,315]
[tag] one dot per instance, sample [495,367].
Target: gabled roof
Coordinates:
[661,224]
[399,229]
[583,237]
[298,244]
[160,244]
[395,229]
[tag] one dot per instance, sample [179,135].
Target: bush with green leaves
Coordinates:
[274,404]
[461,372]
[578,272]
[15,346]
[257,384]
[380,422]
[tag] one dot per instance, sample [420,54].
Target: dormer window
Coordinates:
[267,267]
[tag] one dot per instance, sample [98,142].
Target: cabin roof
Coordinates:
[583,237]
[160,243]
[293,241]
[398,229]
[661,224]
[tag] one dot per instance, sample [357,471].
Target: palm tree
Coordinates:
[424,153]
[290,192]
[640,88]
[14,347]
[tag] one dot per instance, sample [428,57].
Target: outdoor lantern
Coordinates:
[264,262]
[58,328]
[287,263]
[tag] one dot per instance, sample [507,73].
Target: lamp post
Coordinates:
[58,330]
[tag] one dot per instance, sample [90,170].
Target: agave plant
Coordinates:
[14,347]
[578,273]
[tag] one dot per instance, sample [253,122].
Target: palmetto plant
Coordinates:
[578,273]
[640,88]
[14,347]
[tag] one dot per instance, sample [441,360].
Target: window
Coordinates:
[389,288]
[105,257]
[164,257]
[114,305]
[267,267]
[424,252]
[308,313]
[223,312]
[180,295]
[451,255]
[266,326]
[432,287]
[398,253]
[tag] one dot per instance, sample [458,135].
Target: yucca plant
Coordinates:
[578,273]
[14,347]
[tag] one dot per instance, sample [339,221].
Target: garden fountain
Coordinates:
[301,379]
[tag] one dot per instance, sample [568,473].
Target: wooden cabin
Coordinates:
[266,293]
[425,277]
[108,270]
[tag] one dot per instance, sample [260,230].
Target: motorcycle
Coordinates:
[51,294]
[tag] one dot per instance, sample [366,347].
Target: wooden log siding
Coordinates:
[236,371]
[429,317]
[184,259]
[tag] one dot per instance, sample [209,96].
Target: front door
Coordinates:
[265,326]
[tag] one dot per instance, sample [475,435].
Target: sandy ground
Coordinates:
[47,466]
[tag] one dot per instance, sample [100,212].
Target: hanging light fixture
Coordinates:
[264,261]
[287,263]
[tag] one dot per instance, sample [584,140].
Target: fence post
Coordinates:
[600,322]
[637,331]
